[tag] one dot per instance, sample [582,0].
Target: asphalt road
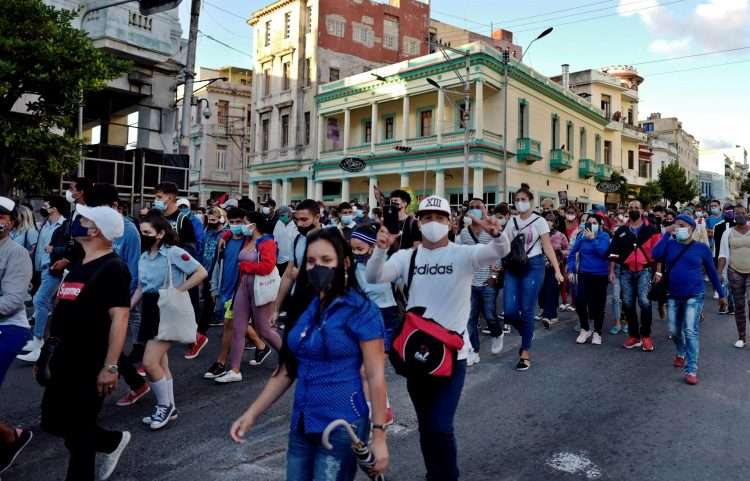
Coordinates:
[580,412]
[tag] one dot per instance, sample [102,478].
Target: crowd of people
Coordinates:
[335,290]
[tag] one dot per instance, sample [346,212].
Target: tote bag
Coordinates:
[266,288]
[176,315]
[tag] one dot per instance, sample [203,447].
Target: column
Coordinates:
[310,188]
[285,186]
[258,135]
[478,182]
[321,135]
[479,111]
[347,125]
[405,120]
[440,183]
[345,196]
[500,197]
[373,127]
[318,190]
[371,200]
[440,116]
[404,180]
[275,190]
[252,190]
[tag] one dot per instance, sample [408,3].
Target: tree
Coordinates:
[745,187]
[650,194]
[676,186]
[45,66]
[625,191]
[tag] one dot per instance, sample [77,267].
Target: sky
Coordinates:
[708,93]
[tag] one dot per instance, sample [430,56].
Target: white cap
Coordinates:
[107,220]
[434,203]
[230,203]
[183,201]
[7,204]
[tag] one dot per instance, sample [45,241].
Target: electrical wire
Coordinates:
[697,68]
[230,32]
[702,54]
[229,12]
[585,12]
[214,39]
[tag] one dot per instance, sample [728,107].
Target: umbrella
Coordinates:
[365,458]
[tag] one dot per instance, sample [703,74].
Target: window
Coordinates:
[222,112]
[598,149]
[390,33]
[366,131]
[221,157]
[363,34]
[307,128]
[644,169]
[411,46]
[309,19]
[631,160]
[333,74]
[265,126]
[608,152]
[307,73]
[249,115]
[630,116]
[582,145]
[569,138]
[287,24]
[285,67]
[523,119]
[284,130]
[433,42]
[336,25]
[388,128]
[425,123]
[267,81]
[555,132]
[648,127]
[268,33]
[607,105]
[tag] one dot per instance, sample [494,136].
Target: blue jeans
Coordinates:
[550,294]
[484,300]
[392,322]
[435,401]
[43,301]
[684,316]
[520,297]
[617,296]
[12,339]
[308,460]
[635,286]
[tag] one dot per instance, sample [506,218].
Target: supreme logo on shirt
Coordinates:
[69,291]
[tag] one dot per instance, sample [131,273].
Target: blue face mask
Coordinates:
[247,230]
[235,229]
[77,230]
[159,205]
[682,234]
[186,211]
[476,213]
[595,228]
[359,214]
[346,219]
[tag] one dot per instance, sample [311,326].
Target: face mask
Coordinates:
[667,223]
[69,196]
[682,234]
[159,205]
[359,214]
[247,230]
[467,220]
[373,217]
[699,214]
[265,210]
[502,221]
[284,219]
[321,278]
[434,231]
[595,228]
[570,217]
[77,230]
[185,211]
[235,229]
[213,225]
[523,206]
[346,219]
[476,213]
[621,217]
[729,215]
[740,219]
[147,241]
[716,211]
[306,229]
[634,215]
[3,229]
[361,258]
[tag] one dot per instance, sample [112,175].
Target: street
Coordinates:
[580,412]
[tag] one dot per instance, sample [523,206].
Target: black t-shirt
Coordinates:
[81,318]
[409,233]
[184,228]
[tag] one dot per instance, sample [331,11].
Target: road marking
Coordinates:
[574,463]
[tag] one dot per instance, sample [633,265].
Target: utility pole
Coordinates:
[506,60]
[187,97]
[467,116]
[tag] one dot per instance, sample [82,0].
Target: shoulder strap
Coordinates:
[471,233]
[294,249]
[679,256]
[412,266]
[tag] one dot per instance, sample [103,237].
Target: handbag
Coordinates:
[43,373]
[176,315]
[659,291]
[517,259]
[423,347]
[266,288]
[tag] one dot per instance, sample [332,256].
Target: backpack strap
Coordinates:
[471,233]
[412,266]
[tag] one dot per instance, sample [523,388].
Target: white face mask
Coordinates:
[523,206]
[265,210]
[69,196]
[570,217]
[434,231]
[502,221]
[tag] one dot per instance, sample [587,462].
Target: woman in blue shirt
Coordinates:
[338,332]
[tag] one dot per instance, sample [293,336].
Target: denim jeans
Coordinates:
[392,322]
[520,297]
[308,460]
[43,301]
[12,339]
[483,299]
[617,295]
[635,286]
[684,317]
[435,402]
[550,294]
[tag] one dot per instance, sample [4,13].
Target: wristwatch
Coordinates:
[111,368]
[382,427]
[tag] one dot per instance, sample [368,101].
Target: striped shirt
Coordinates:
[482,274]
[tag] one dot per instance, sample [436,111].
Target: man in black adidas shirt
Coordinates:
[90,325]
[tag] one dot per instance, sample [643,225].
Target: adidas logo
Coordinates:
[434,270]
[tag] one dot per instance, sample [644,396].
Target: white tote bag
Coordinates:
[176,315]
[266,288]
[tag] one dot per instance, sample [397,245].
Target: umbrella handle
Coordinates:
[333,425]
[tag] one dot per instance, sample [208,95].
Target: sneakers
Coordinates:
[32,356]
[9,454]
[32,344]
[615,330]
[497,344]
[486,331]
[571,308]
[723,310]
[260,356]
[217,369]
[162,415]
[739,344]
[549,322]
[625,329]
[691,379]
[141,371]
[647,344]
[133,396]
[109,461]
[596,340]
[523,365]
[506,329]
[389,418]
[229,376]
[197,347]
[563,307]
[473,358]
[679,361]
[716,295]
[632,342]
[583,336]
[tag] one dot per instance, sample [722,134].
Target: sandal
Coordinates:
[523,365]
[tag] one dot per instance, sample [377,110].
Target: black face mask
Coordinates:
[305,230]
[44,213]
[213,225]
[321,278]
[740,219]
[634,215]
[361,258]
[147,242]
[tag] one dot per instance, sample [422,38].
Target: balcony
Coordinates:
[603,172]
[633,132]
[586,168]
[560,160]
[528,150]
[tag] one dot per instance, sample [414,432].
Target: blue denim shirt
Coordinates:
[128,247]
[41,257]
[327,348]
[152,270]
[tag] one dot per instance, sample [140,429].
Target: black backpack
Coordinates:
[517,259]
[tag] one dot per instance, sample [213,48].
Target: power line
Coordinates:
[702,54]
[230,32]
[697,68]
[229,12]
[559,17]
[223,43]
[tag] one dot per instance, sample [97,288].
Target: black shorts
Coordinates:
[149,317]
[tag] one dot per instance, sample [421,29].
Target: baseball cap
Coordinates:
[183,202]
[434,203]
[107,220]
[230,203]
[6,205]
[284,210]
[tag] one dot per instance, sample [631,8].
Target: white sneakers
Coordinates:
[473,358]
[109,461]
[229,376]
[596,339]
[32,356]
[33,344]
[739,344]
[497,344]
[583,336]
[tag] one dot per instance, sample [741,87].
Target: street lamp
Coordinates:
[379,77]
[540,36]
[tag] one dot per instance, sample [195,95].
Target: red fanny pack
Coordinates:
[425,348]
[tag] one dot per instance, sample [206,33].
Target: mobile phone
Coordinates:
[588,227]
[390,219]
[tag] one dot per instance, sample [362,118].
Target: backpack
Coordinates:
[517,259]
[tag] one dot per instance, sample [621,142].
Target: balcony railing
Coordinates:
[586,168]
[528,150]
[493,138]
[560,160]
[603,172]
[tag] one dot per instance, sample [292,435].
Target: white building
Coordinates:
[669,131]
[731,166]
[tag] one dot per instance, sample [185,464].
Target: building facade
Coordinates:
[302,44]
[730,166]
[447,34]
[669,131]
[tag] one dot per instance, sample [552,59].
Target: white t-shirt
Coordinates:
[533,227]
[442,279]
[284,241]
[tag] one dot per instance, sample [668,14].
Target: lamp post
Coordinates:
[506,62]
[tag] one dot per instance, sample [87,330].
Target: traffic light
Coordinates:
[150,7]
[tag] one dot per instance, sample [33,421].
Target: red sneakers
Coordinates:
[133,396]
[141,371]
[691,379]
[648,344]
[195,349]
[389,419]
[679,361]
[632,342]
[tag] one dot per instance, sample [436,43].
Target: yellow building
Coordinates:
[409,133]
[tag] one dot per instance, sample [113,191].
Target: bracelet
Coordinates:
[382,427]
